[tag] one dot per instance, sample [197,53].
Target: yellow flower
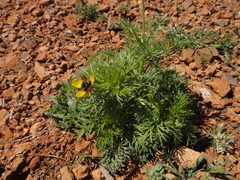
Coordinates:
[84,86]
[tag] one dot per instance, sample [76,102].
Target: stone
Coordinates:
[103,8]
[220,86]
[72,48]
[187,4]
[214,51]
[35,128]
[186,157]
[27,95]
[22,77]
[41,72]
[14,63]
[41,57]
[231,79]
[37,12]
[191,9]
[23,147]
[111,23]
[209,96]
[116,38]
[81,145]
[3,116]
[45,2]
[195,65]
[187,55]
[203,54]
[66,174]
[96,174]
[210,71]
[12,20]
[204,12]
[34,162]
[30,43]
[81,171]
[17,162]
[8,92]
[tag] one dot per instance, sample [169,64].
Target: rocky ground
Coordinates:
[43,43]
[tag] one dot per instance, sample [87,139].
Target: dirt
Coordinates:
[43,43]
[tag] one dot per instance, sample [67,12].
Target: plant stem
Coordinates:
[143,19]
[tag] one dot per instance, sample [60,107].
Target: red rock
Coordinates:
[191,9]
[41,72]
[30,43]
[8,92]
[187,4]
[41,57]
[187,55]
[3,117]
[220,86]
[116,38]
[81,145]
[214,51]
[66,174]
[22,77]
[111,23]
[17,162]
[96,174]
[23,147]
[34,162]
[203,54]
[35,128]
[27,95]
[45,2]
[231,79]
[72,48]
[195,65]
[12,20]
[37,12]
[80,171]
[187,157]
[103,8]
[13,62]
[210,71]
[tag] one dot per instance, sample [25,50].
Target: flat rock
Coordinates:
[203,54]
[41,72]
[30,43]
[187,4]
[231,79]
[111,23]
[187,157]
[221,86]
[187,55]
[81,171]
[45,2]
[8,92]
[66,174]
[14,63]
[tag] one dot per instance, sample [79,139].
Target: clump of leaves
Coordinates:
[87,11]
[211,171]
[122,9]
[220,139]
[134,111]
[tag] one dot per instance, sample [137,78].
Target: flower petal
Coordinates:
[77,83]
[92,78]
[80,93]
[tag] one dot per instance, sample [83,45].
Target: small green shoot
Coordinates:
[220,139]
[87,11]
[122,9]
[214,170]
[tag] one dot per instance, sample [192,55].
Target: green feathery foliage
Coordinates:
[209,170]
[135,108]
